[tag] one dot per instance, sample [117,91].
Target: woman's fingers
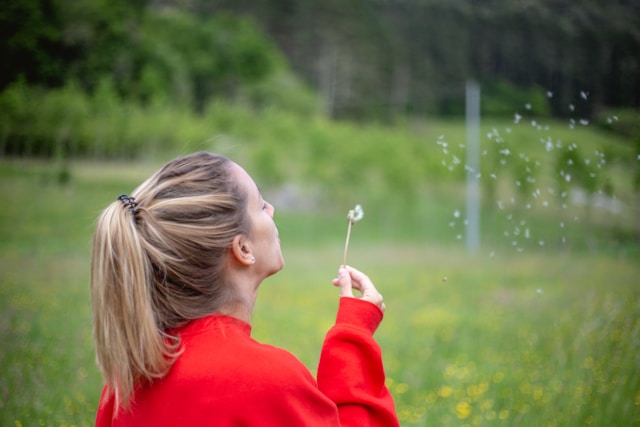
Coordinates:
[344,283]
[350,278]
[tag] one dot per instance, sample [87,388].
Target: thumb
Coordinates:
[344,283]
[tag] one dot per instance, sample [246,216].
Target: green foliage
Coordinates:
[623,121]
[572,167]
[170,57]
[43,123]
[282,91]
[500,98]
[378,59]
[196,59]
[524,163]
[30,42]
[366,60]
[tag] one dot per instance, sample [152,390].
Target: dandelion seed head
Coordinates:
[356,214]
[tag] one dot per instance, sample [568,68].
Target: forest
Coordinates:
[361,59]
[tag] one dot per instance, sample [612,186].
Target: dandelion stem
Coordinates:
[346,244]
[354,216]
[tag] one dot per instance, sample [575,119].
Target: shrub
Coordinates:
[501,98]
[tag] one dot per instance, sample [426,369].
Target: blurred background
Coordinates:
[328,104]
[322,98]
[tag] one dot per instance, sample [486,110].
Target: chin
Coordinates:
[276,269]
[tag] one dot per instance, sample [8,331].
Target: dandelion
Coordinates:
[445,391]
[353,216]
[463,410]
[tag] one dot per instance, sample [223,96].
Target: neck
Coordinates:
[241,309]
[245,283]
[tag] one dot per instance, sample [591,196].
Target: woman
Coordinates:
[175,272]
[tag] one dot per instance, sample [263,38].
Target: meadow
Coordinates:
[523,334]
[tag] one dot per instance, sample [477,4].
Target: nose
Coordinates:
[270,209]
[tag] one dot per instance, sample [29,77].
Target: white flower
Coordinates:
[355,214]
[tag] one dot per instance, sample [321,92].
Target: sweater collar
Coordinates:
[203,324]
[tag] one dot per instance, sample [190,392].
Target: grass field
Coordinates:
[534,338]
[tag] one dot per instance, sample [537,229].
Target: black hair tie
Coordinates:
[129,203]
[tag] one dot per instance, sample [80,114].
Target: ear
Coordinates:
[241,251]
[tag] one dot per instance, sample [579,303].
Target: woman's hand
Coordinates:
[349,278]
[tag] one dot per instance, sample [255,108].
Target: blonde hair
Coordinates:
[159,264]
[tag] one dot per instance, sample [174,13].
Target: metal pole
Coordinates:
[473,165]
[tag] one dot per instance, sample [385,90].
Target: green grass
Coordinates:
[542,337]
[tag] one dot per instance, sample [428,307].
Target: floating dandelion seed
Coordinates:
[353,216]
[549,146]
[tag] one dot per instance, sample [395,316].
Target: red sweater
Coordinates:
[225,378]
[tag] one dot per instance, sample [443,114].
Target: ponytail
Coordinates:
[129,346]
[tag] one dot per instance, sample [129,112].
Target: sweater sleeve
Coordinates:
[350,371]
